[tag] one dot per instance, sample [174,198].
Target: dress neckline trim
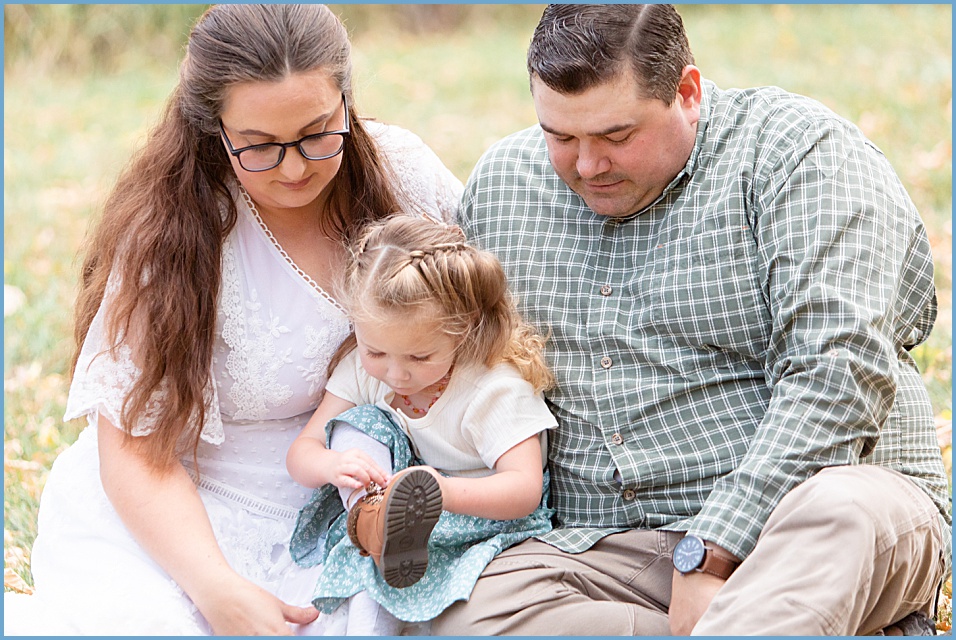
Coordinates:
[282,252]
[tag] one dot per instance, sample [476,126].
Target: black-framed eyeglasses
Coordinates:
[318,146]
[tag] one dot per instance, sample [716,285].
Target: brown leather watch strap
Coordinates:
[716,565]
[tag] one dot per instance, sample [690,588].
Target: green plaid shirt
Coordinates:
[747,329]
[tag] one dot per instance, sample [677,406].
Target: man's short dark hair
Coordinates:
[578,46]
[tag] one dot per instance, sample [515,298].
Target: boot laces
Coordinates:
[373,493]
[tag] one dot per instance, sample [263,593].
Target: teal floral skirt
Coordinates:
[459,549]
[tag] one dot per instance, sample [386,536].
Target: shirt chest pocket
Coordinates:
[710,294]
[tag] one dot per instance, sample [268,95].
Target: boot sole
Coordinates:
[411,512]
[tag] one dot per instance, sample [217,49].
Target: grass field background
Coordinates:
[84,83]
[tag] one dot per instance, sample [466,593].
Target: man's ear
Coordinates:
[689,93]
[689,90]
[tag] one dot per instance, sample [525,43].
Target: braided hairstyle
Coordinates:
[421,268]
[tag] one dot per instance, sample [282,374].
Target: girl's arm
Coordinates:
[513,491]
[164,513]
[312,464]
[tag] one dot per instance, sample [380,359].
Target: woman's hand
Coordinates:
[162,509]
[241,608]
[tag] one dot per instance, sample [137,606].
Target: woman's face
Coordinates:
[285,111]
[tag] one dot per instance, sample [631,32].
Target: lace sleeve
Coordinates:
[423,180]
[104,378]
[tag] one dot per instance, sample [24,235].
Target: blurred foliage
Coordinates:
[944,617]
[431,19]
[84,83]
[86,38]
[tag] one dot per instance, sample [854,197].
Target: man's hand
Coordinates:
[691,594]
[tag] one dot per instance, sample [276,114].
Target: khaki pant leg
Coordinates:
[848,552]
[621,586]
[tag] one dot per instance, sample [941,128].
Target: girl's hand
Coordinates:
[310,462]
[442,480]
[243,609]
[354,469]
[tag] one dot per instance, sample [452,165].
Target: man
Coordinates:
[732,282]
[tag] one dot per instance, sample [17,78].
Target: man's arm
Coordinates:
[831,248]
[832,240]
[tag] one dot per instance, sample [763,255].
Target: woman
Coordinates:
[205,330]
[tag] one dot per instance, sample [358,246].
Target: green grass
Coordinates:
[456,77]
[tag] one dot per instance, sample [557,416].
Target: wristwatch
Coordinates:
[693,554]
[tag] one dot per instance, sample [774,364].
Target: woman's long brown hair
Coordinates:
[162,229]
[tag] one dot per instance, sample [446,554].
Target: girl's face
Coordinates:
[285,111]
[407,356]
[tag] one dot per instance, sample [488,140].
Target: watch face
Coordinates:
[688,554]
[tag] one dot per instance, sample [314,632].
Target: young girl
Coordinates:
[442,384]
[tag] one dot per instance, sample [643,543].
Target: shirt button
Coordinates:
[629,494]
[617,439]
[606,290]
[606,362]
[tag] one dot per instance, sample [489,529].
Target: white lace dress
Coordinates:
[277,330]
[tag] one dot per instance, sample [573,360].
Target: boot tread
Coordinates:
[412,510]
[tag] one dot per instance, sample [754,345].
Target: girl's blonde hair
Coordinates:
[422,268]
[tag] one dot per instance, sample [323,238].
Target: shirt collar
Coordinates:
[706,99]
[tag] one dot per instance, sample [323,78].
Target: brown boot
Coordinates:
[393,525]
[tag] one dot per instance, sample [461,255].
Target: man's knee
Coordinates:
[873,522]
[872,502]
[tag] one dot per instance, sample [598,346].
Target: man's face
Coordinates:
[614,148]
